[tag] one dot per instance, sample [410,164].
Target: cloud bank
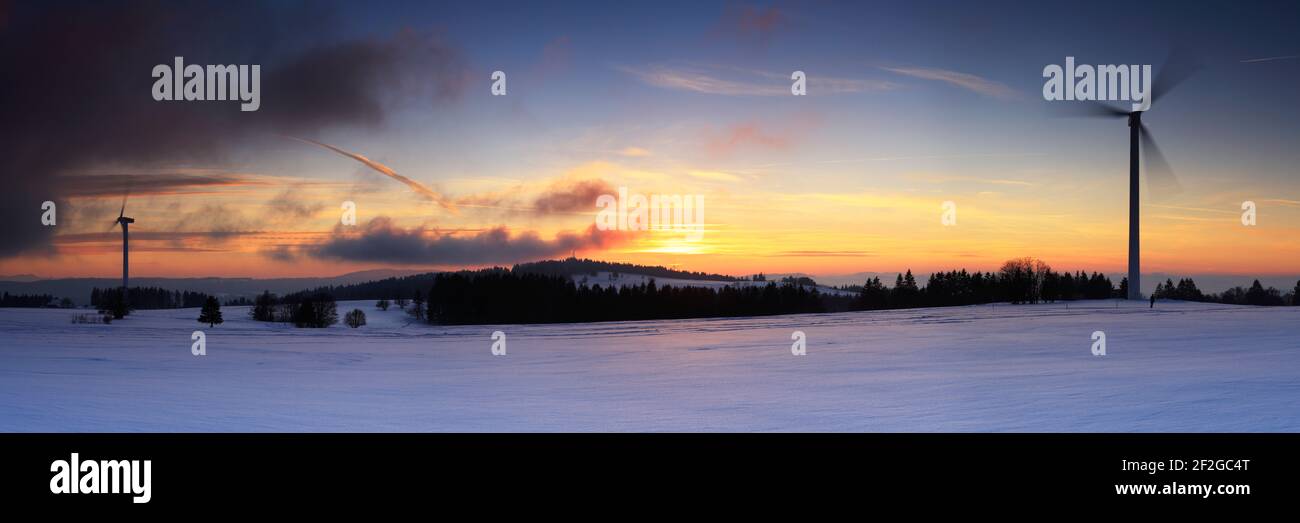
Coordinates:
[82,100]
[380,240]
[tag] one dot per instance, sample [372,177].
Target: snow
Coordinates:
[1179,367]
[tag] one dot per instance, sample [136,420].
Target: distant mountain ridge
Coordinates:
[19,277]
[574,266]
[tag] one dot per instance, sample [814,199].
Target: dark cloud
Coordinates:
[281,253]
[572,196]
[218,221]
[382,241]
[287,206]
[76,95]
[565,196]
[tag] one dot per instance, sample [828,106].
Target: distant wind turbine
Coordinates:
[124,221]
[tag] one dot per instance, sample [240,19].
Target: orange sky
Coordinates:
[232,230]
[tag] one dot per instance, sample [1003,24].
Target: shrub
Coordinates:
[355,319]
[316,311]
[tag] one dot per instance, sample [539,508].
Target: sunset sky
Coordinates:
[908,106]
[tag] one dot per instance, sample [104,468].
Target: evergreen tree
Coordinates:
[1258,295]
[905,293]
[111,302]
[211,312]
[874,295]
[1187,290]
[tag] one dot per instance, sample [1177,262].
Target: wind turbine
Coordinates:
[1177,68]
[124,221]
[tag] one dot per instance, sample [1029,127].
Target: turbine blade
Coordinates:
[1161,180]
[1086,109]
[1180,65]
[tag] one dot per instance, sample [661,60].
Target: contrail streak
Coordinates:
[1270,59]
[386,171]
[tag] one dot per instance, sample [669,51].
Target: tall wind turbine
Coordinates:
[1176,69]
[124,221]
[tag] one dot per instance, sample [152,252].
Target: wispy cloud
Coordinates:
[634,152]
[418,187]
[1279,201]
[1270,59]
[752,25]
[749,134]
[941,178]
[981,85]
[824,254]
[717,176]
[161,183]
[902,158]
[732,81]
[1194,209]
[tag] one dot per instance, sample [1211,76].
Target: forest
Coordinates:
[546,292]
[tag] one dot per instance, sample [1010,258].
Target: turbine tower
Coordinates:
[1134,209]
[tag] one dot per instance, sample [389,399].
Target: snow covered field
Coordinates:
[1180,367]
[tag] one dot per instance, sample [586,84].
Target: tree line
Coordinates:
[302,309]
[146,298]
[1022,280]
[501,295]
[1028,280]
[1256,294]
[574,266]
[33,301]
[509,296]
